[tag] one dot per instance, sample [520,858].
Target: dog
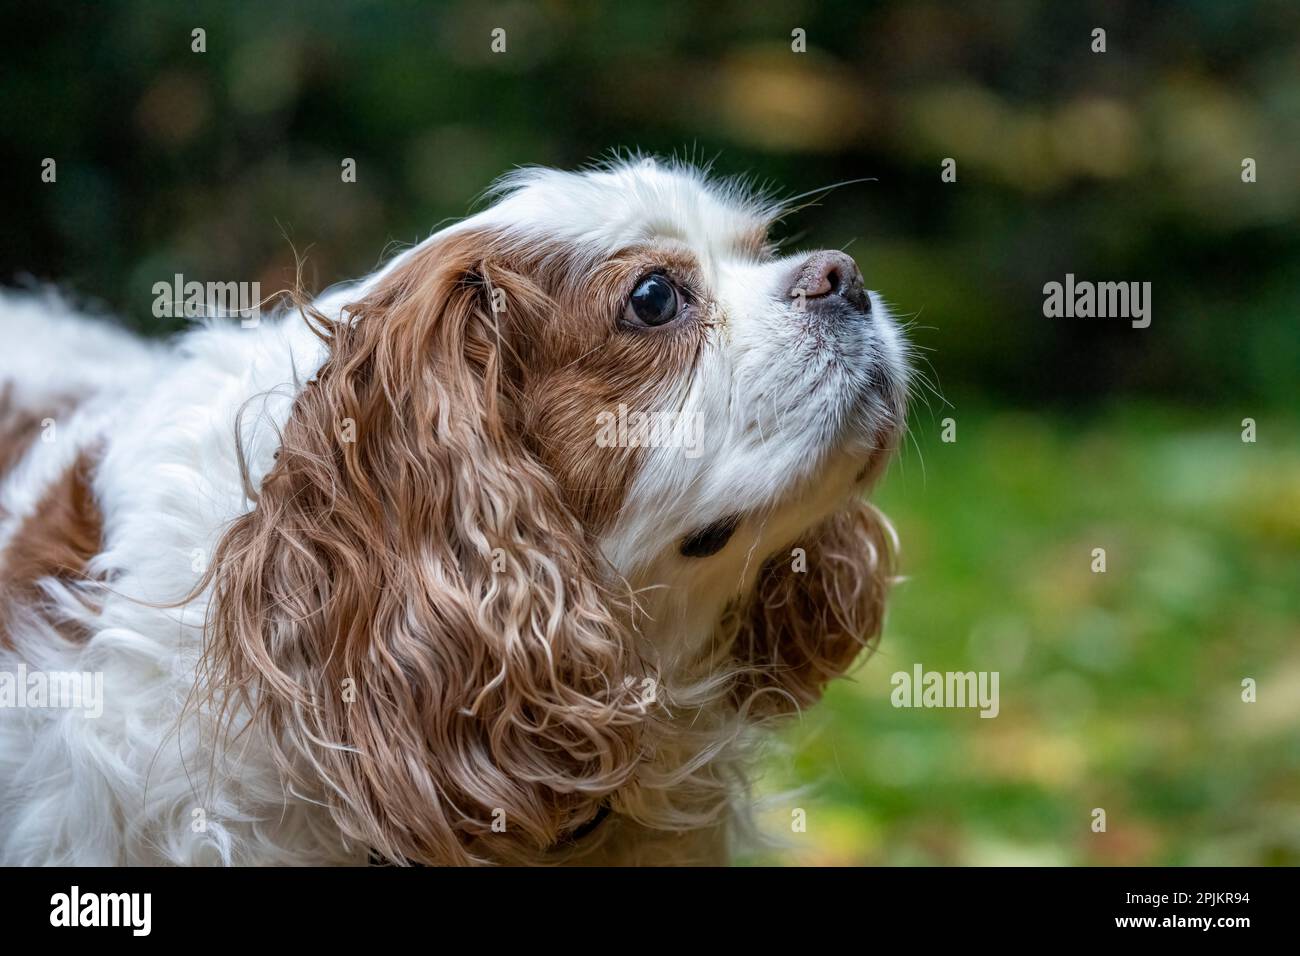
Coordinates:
[508,553]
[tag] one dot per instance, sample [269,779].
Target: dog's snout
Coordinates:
[827,276]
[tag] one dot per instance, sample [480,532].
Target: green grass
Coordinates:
[1120,690]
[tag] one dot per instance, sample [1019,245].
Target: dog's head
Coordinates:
[597,438]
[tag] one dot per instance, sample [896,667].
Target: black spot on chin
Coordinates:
[710,539]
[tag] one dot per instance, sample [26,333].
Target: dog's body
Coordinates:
[440,640]
[158,425]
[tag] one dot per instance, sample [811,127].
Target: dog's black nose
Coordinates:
[828,276]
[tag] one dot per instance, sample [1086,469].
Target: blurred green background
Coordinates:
[1119,690]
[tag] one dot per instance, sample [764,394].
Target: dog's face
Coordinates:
[584,425]
[686,384]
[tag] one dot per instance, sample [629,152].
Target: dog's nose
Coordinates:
[828,276]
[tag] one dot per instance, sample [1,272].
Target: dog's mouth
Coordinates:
[878,446]
[875,430]
[871,450]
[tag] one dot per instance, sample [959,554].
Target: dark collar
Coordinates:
[577,836]
[590,827]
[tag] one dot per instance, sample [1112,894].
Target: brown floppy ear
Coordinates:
[410,612]
[811,614]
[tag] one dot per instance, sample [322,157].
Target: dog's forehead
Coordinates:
[602,211]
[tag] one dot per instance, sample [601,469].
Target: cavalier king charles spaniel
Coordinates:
[504,554]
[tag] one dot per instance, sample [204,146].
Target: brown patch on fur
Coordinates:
[803,628]
[590,363]
[434,563]
[56,541]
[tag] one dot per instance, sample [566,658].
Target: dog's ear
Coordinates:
[814,608]
[410,611]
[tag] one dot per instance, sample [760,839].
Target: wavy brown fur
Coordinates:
[801,629]
[484,695]
[478,691]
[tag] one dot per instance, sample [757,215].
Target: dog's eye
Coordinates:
[654,301]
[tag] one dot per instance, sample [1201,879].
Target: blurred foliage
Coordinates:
[1119,690]
[1117,166]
